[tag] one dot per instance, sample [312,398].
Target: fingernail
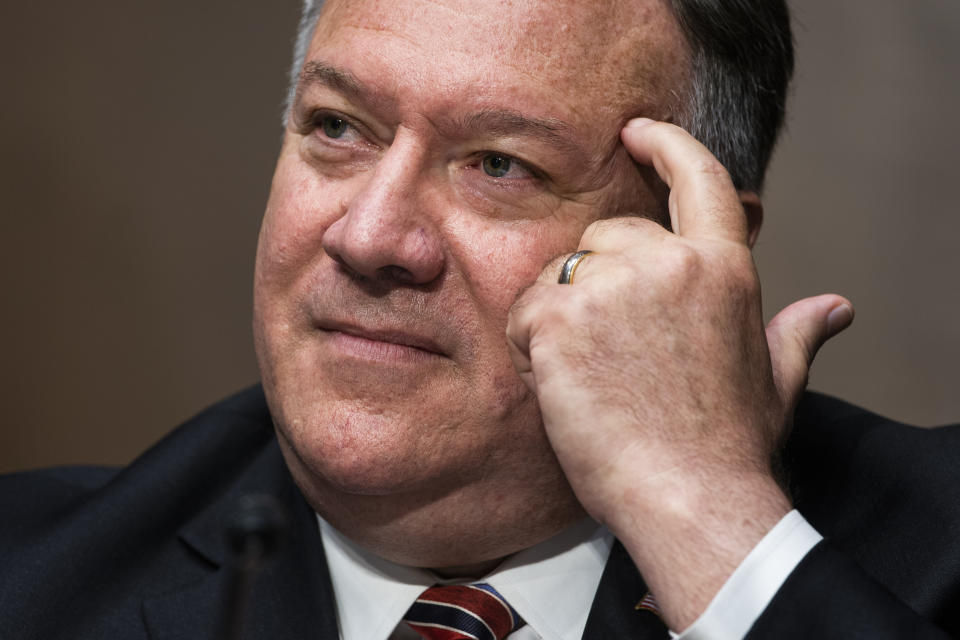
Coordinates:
[639,122]
[839,319]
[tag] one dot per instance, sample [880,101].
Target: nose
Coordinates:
[386,233]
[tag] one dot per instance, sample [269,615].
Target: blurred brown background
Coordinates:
[137,146]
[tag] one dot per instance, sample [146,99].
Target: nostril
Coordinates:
[390,273]
[336,257]
[344,266]
[395,273]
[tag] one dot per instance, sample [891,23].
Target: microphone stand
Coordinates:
[254,533]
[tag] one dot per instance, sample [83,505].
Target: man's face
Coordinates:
[438,155]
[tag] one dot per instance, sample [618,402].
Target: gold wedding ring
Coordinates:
[570,266]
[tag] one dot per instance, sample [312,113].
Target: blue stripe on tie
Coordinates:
[514,616]
[448,616]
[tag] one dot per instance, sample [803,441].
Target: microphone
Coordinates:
[254,533]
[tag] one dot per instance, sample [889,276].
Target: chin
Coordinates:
[348,447]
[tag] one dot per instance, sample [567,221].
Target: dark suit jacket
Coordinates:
[140,552]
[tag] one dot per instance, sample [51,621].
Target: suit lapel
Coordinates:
[292,596]
[613,613]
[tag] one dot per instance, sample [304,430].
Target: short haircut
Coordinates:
[742,62]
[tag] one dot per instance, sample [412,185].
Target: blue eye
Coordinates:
[496,166]
[334,127]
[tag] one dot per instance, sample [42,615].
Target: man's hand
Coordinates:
[662,394]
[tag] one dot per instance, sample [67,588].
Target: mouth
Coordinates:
[380,343]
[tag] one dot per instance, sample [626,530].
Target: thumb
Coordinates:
[797,333]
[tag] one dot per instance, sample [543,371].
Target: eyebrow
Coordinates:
[320,73]
[506,122]
[495,122]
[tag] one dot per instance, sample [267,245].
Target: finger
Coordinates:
[551,272]
[797,333]
[613,235]
[603,266]
[703,200]
[521,325]
[522,364]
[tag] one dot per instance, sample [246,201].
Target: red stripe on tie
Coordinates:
[477,601]
[439,611]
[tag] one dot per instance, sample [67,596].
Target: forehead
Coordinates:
[623,58]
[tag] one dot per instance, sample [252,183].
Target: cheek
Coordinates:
[501,260]
[499,264]
[298,213]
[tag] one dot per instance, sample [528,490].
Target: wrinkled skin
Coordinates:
[438,159]
[395,227]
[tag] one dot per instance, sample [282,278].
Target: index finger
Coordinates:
[703,201]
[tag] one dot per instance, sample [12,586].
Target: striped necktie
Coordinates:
[462,612]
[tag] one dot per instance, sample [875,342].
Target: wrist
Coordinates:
[688,531]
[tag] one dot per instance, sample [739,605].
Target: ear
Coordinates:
[754,210]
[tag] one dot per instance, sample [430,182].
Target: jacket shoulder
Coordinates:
[835,444]
[97,541]
[27,497]
[32,497]
[884,493]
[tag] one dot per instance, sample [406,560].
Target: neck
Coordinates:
[467,571]
[479,529]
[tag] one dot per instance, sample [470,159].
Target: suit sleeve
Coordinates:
[829,596]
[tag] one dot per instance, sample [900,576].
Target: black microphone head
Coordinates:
[256,527]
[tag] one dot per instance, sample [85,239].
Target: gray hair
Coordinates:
[308,23]
[742,64]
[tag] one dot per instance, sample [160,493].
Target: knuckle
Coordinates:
[526,298]
[576,309]
[528,305]
[619,233]
[598,228]
[643,223]
[746,273]
[745,280]
[682,260]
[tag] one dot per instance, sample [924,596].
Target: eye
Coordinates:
[333,127]
[496,165]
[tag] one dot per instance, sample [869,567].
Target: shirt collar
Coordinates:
[551,585]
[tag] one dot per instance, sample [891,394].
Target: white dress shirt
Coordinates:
[752,585]
[552,584]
